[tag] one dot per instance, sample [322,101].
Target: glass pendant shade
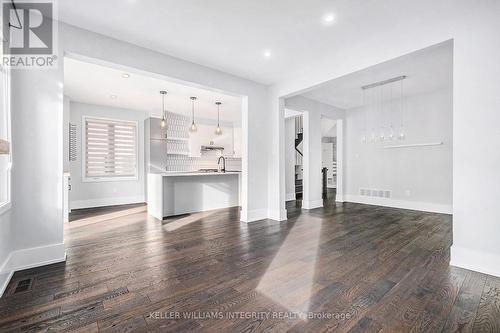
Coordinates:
[163,109]
[193,128]
[391,134]
[402,134]
[218,131]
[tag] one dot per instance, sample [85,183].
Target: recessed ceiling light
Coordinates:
[113,96]
[329,18]
[267,53]
[125,75]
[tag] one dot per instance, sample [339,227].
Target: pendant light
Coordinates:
[402,134]
[381,110]
[218,131]
[193,127]
[391,111]
[364,139]
[163,109]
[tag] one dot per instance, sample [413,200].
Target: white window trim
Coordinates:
[86,179]
[7,205]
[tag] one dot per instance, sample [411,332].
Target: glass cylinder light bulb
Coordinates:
[402,134]
[391,134]
[193,128]
[218,131]
[163,123]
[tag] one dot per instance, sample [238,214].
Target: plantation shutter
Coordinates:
[111,148]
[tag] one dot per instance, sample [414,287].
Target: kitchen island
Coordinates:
[177,193]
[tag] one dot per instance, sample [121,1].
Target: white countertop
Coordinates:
[194,173]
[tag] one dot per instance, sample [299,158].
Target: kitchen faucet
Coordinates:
[223,169]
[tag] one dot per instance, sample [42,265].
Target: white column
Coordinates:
[312,161]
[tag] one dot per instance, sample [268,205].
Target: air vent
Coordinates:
[23,286]
[366,192]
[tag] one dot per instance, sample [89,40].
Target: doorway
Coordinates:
[119,129]
[329,159]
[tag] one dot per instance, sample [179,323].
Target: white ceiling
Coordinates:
[427,70]
[232,35]
[94,84]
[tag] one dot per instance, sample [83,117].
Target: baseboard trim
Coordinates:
[401,204]
[277,215]
[104,202]
[290,197]
[254,215]
[313,204]
[479,261]
[30,258]
[4,281]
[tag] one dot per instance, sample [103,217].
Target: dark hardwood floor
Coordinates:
[86,213]
[342,268]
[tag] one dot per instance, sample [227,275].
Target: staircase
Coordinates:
[298,188]
[299,138]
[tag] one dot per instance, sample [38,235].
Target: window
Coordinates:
[109,150]
[5,145]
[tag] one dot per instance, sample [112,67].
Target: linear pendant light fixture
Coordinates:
[163,109]
[218,131]
[193,127]
[380,106]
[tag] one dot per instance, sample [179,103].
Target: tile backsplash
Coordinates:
[208,160]
[170,152]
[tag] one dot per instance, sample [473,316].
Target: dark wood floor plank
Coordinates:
[462,315]
[488,312]
[376,269]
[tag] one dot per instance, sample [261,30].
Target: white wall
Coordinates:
[419,177]
[474,27]
[290,158]
[5,247]
[5,217]
[97,194]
